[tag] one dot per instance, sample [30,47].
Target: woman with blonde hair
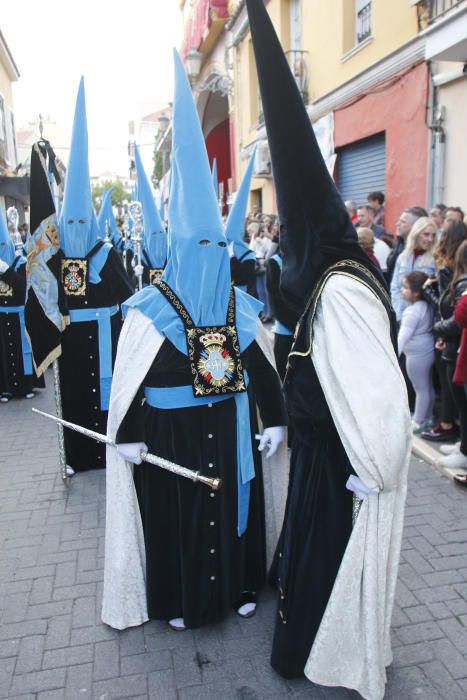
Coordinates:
[417,255]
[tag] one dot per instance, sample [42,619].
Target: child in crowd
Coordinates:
[416,341]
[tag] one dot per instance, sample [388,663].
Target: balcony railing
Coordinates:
[438,8]
[364,23]
[299,68]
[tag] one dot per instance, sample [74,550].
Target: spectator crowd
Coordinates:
[425,266]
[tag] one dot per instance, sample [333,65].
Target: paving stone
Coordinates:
[79,682]
[121,687]
[161,684]
[435,594]
[30,654]
[7,666]
[15,630]
[68,656]
[413,654]
[145,663]
[58,632]
[35,682]
[418,613]
[106,660]
[441,679]
[456,632]
[41,590]
[421,632]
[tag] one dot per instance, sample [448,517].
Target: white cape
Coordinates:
[366,394]
[124,597]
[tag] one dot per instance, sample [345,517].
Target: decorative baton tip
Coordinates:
[216,484]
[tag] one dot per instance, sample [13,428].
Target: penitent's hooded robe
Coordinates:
[95,284]
[348,408]
[170,542]
[243,260]
[16,372]
[155,240]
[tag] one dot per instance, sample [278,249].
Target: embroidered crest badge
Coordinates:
[74,276]
[213,352]
[215,360]
[5,289]
[155,274]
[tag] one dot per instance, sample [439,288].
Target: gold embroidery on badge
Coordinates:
[74,276]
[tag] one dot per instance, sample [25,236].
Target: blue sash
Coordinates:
[104,335]
[25,346]
[182,397]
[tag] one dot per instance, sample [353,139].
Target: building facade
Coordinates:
[384,84]
[14,189]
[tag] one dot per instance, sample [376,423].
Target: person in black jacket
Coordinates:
[437,291]
[449,333]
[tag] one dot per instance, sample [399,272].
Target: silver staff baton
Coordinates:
[214,484]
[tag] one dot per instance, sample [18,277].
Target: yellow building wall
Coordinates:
[245,103]
[329,32]
[5,87]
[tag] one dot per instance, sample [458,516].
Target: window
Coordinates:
[3,140]
[363,16]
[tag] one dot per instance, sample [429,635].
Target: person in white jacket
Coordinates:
[417,342]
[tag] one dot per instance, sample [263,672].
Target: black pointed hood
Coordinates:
[315,227]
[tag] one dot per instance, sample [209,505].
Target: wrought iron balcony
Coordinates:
[438,8]
[364,23]
[299,68]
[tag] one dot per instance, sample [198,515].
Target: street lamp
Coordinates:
[193,64]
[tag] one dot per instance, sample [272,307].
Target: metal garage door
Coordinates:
[361,168]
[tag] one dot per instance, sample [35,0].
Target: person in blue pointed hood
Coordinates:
[154,244]
[242,258]
[191,352]
[16,370]
[95,284]
[106,218]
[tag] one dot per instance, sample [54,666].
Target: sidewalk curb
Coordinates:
[421,448]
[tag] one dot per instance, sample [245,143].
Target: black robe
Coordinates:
[79,365]
[243,273]
[282,312]
[318,517]
[196,565]
[13,380]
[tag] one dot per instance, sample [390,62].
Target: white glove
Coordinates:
[360,489]
[3,266]
[230,248]
[272,438]
[139,269]
[131,451]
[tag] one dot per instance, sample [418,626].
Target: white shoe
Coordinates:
[453,461]
[450,449]
[69,470]
[177,624]
[247,610]
[31,395]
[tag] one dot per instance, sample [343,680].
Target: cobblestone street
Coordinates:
[53,645]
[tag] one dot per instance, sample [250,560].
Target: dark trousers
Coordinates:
[410,389]
[445,371]
[461,403]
